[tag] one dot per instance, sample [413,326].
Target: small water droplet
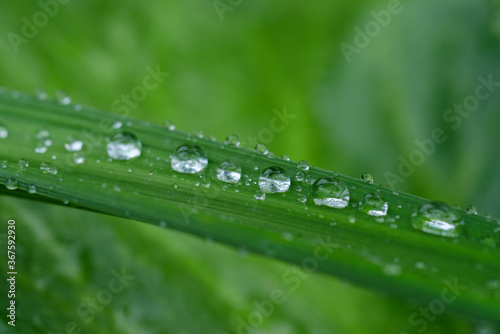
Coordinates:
[438,218]
[374,205]
[260,195]
[11,184]
[232,140]
[351,219]
[331,192]
[73,145]
[117,125]
[169,125]
[229,172]
[299,176]
[63,98]
[23,164]
[41,94]
[310,179]
[78,158]
[4,164]
[366,177]
[4,132]
[189,159]
[285,157]
[471,210]
[302,198]
[274,180]
[392,269]
[124,146]
[287,236]
[47,168]
[32,189]
[303,165]
[42,134]
[117,188]
[261,148]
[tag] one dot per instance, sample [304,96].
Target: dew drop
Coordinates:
[471,210]
[260,195]
[124,146]
[169,125]
[189,159]
[229,172]
[261,148]
[438,218]
[11,184]
[42,134]
[303,165]
[78,158]
[332,192]
[4,164]
[63,98]
[285,157]
[4,133]
[374,205]
[302,198]
[274,180]
[117,125]
[23,164]
[392,269]
[299,176]
[232,140]
[32,189]
[47,168]
[41,94]
[310,179]
[366,177]
[73,145]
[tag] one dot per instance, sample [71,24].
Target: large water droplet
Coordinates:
[229,172]
[374,205]
[124,146]
[274,180]
[11,184]
[4,133]
[189,159]
[73,145]
[438,218]
[331,192]
[47,168]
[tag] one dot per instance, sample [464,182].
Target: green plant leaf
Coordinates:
[388,255]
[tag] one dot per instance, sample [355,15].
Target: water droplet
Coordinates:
[41,94]
[117,188]
[11,184]
[303,165]
[310,179]
[73,145]
[331,192]
[285,157]
[260,195]
[392,269]
[124,146]
[261,148]
[63,98]
[31,189]
[351,219]
[189,159]
[48,168]
[78,158]
[374,205]
[302,198]
[23,164]
[299,176]
[232,140]
[366,177]
[42,134]
[287,236]
[439,219]
[229,172]
[169,125]
[117,125]
[4,164]
[274,180]
[471,210]
[4,133]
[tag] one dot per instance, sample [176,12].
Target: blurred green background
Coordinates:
[229,68]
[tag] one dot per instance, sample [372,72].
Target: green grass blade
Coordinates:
[388,255]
